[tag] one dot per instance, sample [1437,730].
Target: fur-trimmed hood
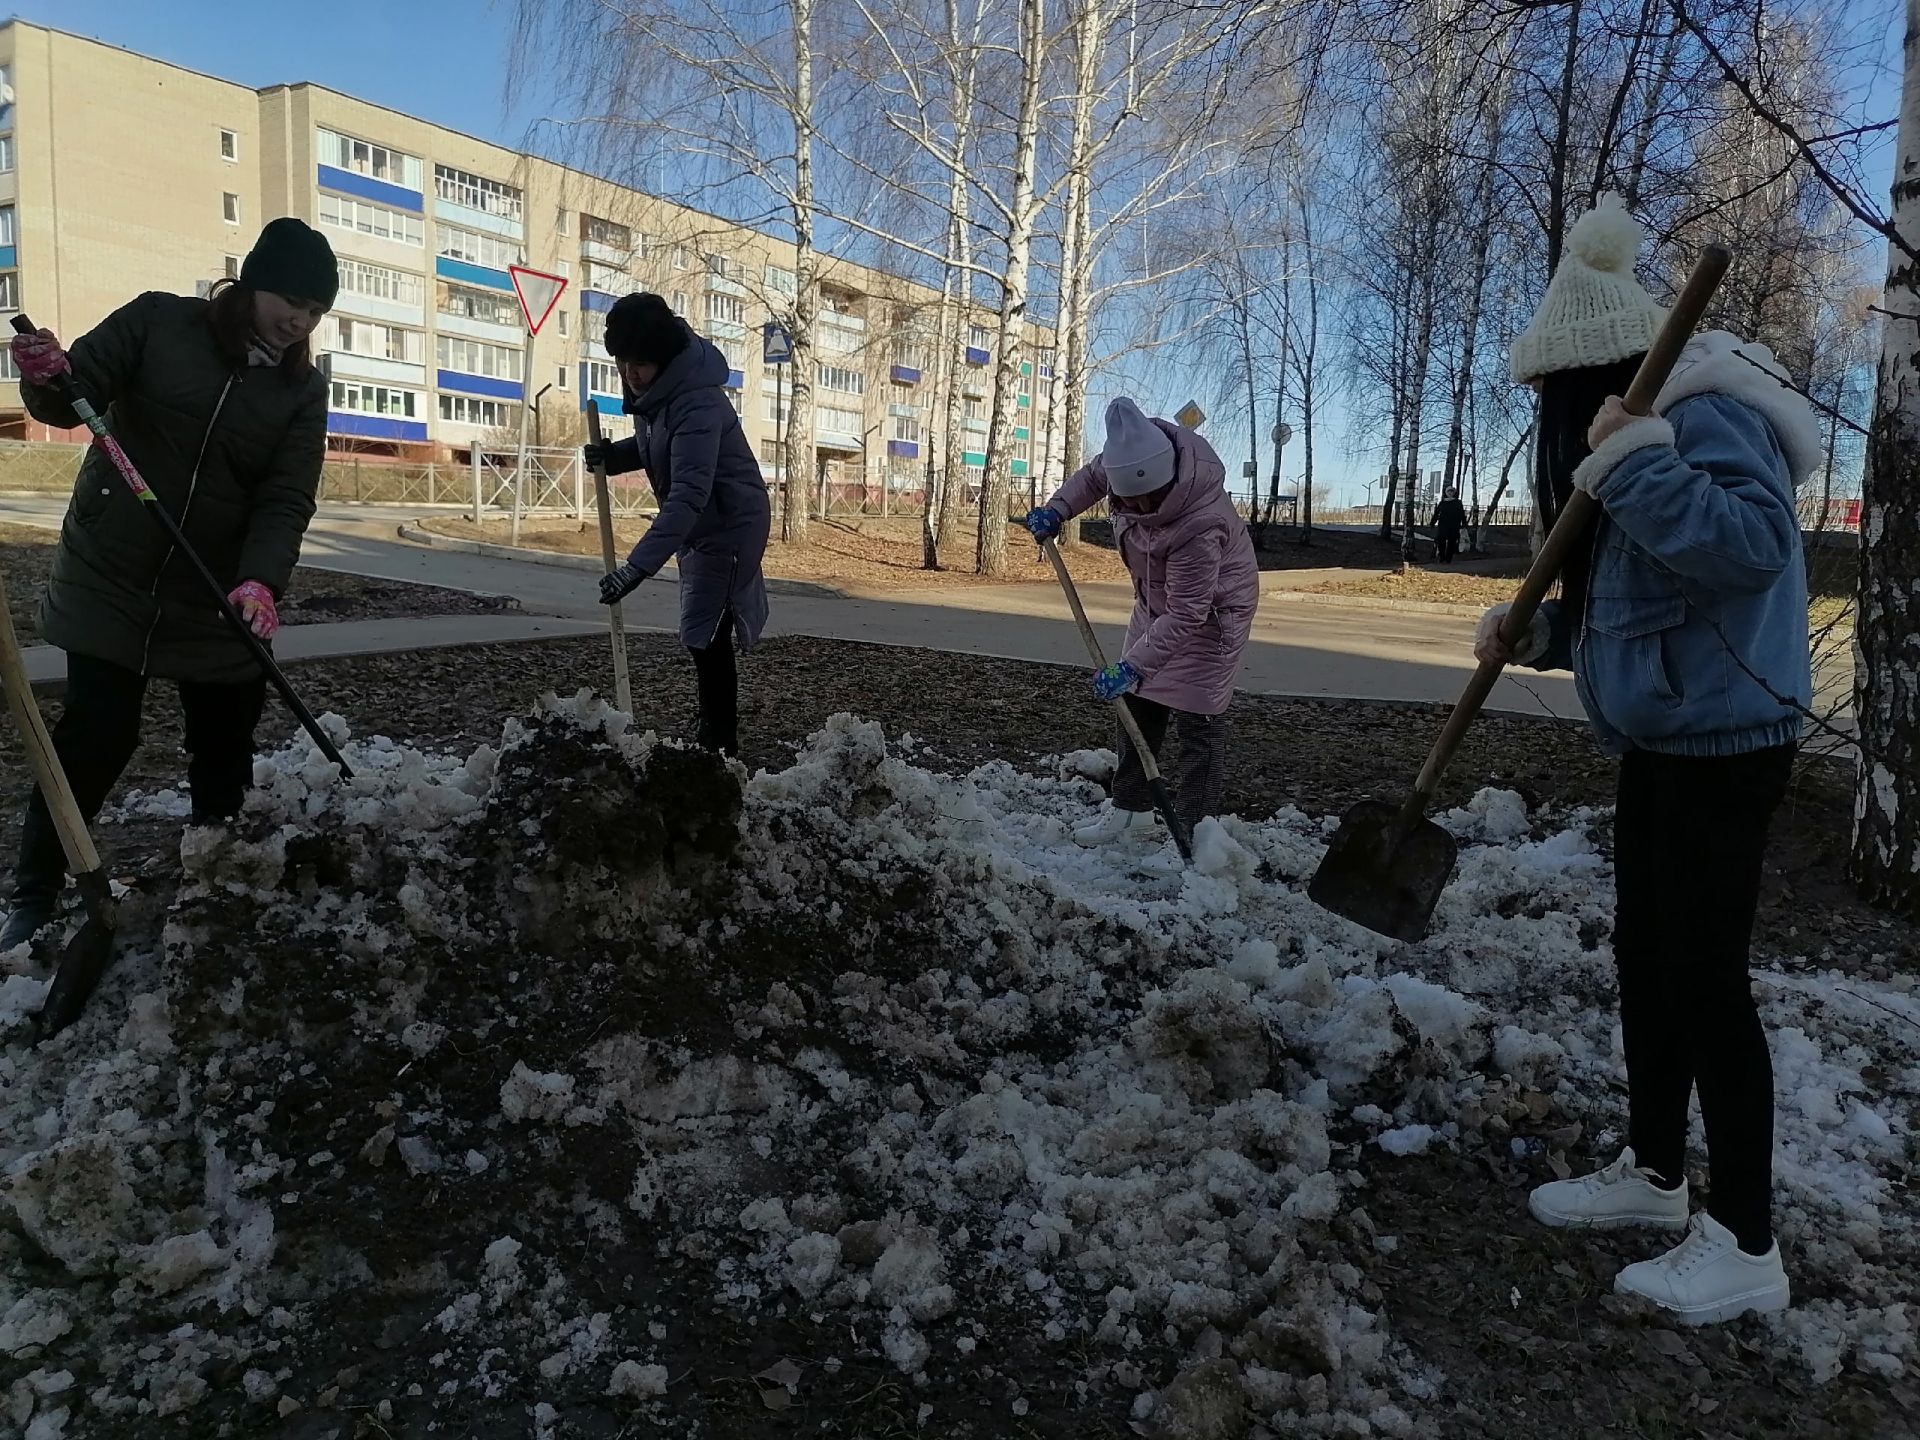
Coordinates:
[1718,363]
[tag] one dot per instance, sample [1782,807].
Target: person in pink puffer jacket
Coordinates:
[1196,585]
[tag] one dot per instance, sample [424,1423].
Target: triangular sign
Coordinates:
[539,292]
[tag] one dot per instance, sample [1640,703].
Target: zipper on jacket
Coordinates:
[193,481]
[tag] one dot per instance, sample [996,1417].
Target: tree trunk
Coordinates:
[1076,258]
[991,555]
[1306,353]
[1560,157]
[1886,834]
[940,375]
[964,57]
[800,437]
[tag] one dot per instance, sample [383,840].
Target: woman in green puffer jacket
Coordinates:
[218,404]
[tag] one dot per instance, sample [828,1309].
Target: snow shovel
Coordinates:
[1162,800]
[622,691]
[1387,864]
[86,956]
[70,393]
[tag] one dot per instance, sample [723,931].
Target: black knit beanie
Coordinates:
[642,328]
[291,258]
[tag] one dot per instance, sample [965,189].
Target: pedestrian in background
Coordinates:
[714,516]
[1196,585]
[218,404]
[1683,617]
[1449,518]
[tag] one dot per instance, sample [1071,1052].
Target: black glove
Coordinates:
[598,454]
[621,583]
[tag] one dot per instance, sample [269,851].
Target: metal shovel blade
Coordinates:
[82,963]
[1378,877]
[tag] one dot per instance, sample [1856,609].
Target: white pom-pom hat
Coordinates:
[1595,311]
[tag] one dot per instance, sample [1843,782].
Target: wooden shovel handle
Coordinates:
[1571,526]
[622,687]
[82,858]
[1120,707]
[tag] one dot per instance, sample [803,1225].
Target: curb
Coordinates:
[1374,602]
[428,539]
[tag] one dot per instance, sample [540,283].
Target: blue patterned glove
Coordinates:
[621,583]
[1114,681]
[1045,523]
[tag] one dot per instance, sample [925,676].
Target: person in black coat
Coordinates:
[1449,518]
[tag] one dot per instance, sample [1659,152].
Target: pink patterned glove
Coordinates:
[39,358]
[254,601]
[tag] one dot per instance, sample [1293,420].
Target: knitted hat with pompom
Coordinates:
[1595,312]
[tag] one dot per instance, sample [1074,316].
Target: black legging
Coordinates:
[717,679]
[98,731]
[1690,834]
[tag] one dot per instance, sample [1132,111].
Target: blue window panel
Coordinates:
[905,375]
[972,457]
[7,257]
[1046,372]
[394,197]
[480,385]
[597,301]
[468,274]
[736,380]
[1026,367]
[905,449]
[1020,432]
[1025,401]
[374,427]
[1019,467]
[606,404]
[976,356]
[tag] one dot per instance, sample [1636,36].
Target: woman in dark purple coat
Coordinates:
[714,513]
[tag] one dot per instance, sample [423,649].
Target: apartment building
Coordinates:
[120,173]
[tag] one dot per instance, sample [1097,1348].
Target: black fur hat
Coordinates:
[642,328]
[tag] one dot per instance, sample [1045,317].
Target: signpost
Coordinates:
[538,292]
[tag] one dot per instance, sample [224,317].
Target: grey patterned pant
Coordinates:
[1197,775]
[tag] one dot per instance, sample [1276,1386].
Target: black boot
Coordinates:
[38,878]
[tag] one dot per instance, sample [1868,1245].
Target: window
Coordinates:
[10,290]
[734,350]
[607,279]
[609,233]
[603,378]
[471,410]
[348,336]
[720,267]
[775,404]
[6,154]
[363,157]
[724,309]
[593,328]
[836,340]
[7,368]
[563,268]
[1044,358]
[229,145]
[770,453]
[377,220]
[6,224]
[467,303]
[377,282]
[906,427]
[974,406]
[680,302]
[646,247]
[977,337]
[560,379]
[560,220]
[682,257]
[902,395]
[565,329]
[835,421]
[475,248]
[780,281]
[841,379]
[230,207]
[350,395]
[477,193]
[733,399]
[836,302]
[477,357]
[910,351]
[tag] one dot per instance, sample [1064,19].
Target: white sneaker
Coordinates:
[1621,1194]
[1115,824]
[1707,1277]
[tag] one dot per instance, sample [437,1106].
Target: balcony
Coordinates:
[840,320]
[467,273]
[363,187]
[720,285]
[977,356]
[606,254]
[486,222]
[904,449]
[487,385]
[904,375]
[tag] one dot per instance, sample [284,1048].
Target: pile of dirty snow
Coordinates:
[493,1086]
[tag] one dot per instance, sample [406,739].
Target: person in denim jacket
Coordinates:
[1684,622]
